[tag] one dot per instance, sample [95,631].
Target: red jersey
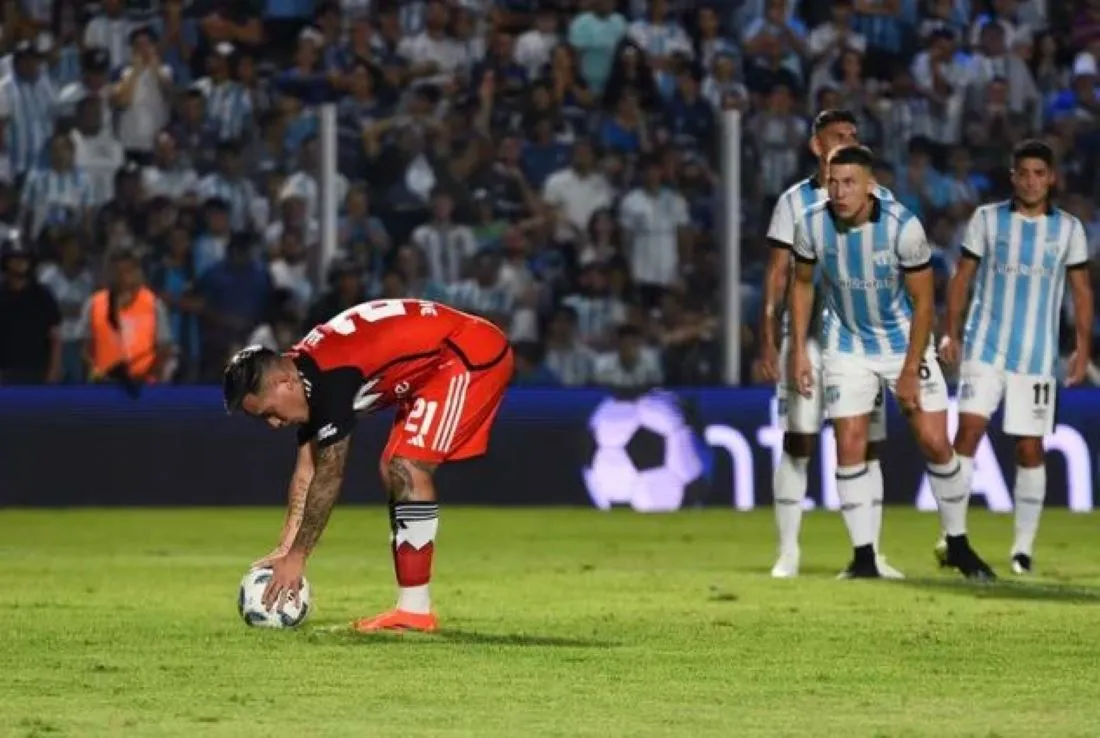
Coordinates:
[383,352]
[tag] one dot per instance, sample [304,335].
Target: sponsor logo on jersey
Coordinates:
[401,388]
[327,431]
[364,398]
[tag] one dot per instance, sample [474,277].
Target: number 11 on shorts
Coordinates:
[420,420]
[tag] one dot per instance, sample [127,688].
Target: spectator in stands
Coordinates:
[58,196]
[27,103]
[71,282]
[576,192]
[631,365]
[96,66]
[346,290]
[448,246]
[571,362]
[96,151]
[530,369]
[280,329]
[143,96]
[595,35]
[174,279]
[111,31]
[235,293]
[228,183]
[30,338]
[470,129]
[125,327]
[656,230]
[168,175]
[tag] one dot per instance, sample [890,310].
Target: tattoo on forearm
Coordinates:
[324,488]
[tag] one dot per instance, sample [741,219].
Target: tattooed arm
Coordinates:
[324,488]
[300,480]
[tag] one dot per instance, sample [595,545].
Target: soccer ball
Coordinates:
[250,602]
[644,454]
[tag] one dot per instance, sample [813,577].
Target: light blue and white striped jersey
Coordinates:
[229,110]
[1014,316]
[58,199]
[239,194]
[28,108]
[867,308]
[788,208]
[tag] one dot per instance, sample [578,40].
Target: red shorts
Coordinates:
[450,416]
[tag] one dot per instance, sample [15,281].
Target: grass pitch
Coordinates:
[557,623]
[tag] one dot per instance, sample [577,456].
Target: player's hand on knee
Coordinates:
[802,373]
[1076,369]
[767,365]
[949,351]
[907,391]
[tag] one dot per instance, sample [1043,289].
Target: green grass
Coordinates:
[556,623]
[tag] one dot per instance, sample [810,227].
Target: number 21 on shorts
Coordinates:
[419,421]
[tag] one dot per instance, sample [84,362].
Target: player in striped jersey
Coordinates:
[1020,254]
[800,417]
[880,306]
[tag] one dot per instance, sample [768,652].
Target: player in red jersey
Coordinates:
[445,371]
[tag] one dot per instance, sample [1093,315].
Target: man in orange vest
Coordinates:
[125,327]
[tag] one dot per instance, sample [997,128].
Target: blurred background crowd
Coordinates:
[551,165]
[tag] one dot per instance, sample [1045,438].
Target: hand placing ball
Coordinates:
[292,611]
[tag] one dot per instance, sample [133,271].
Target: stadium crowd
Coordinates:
[549,165]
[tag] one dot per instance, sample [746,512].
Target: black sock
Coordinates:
[863,555]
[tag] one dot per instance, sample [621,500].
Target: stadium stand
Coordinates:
[549,165]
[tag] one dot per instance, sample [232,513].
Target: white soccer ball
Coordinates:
[643,454]
[250,603]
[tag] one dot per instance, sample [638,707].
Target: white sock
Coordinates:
[790,491]
[1031,490]
[967,471]
[952,493]
[854,487]
[414,599]
[874,471]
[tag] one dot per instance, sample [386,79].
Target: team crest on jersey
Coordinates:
[832,394]
[884,258]
[400,389]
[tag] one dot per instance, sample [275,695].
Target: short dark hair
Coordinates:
[859,156]
[244,374]
[1033,149]
[831,117]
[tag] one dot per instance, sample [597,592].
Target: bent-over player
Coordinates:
[446,372]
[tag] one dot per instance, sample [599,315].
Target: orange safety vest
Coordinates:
[134,343]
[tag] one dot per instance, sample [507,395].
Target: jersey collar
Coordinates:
[1012,206]
[875,216]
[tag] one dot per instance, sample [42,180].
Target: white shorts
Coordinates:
[1029,399]
[798,414]
[853,382]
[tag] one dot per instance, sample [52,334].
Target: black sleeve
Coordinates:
[333,396]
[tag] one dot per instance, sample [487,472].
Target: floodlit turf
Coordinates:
[556,623]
